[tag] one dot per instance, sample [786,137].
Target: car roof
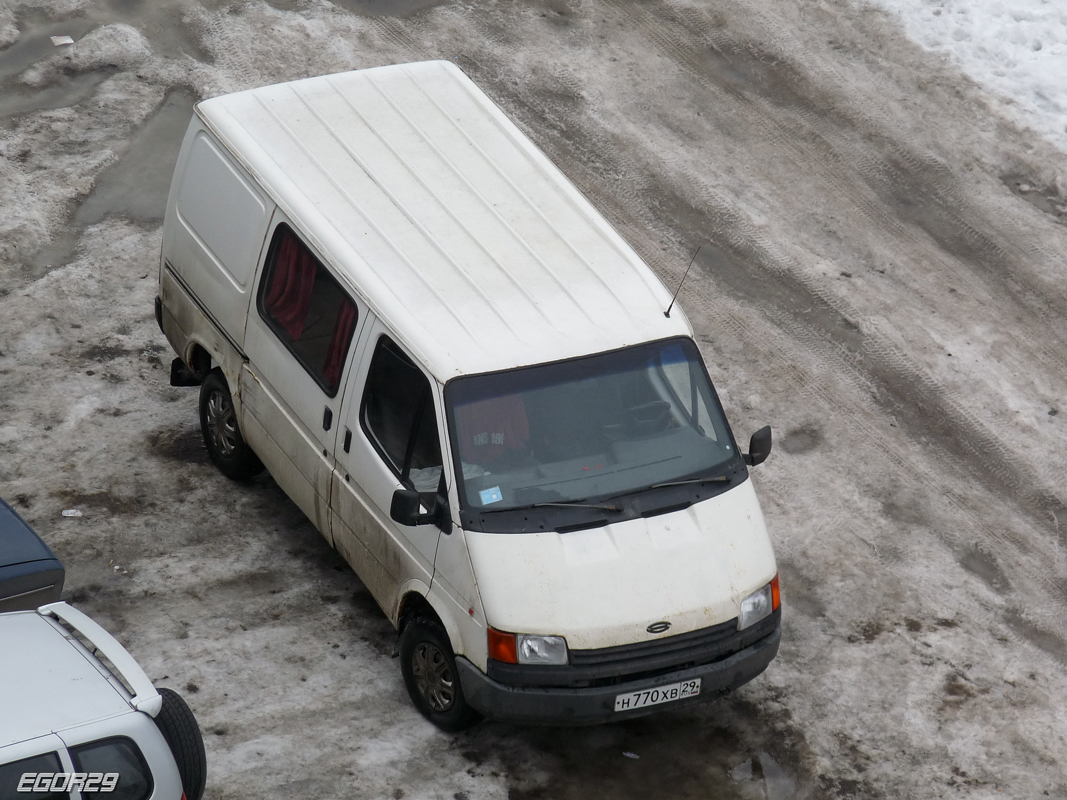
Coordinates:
[18,542]
[48,683]
[448,221]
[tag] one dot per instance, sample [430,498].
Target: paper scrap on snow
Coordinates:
[59,41]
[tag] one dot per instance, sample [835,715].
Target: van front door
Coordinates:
[390,440]
[297,339]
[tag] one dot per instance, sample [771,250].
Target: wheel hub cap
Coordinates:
[222,424]
[433,677]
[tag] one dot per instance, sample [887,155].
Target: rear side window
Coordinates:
[36,771]
[398,416]
[307,309]
[116,756]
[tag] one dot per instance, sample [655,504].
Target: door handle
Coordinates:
[348,442]
[327,418]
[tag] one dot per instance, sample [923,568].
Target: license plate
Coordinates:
[661,694]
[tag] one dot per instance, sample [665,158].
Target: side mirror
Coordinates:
[405,507]
[759,447]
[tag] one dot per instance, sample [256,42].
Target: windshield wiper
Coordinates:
[575,505]
[717,478]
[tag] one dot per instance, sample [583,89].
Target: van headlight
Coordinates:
[523,648]
[759,605]
[542,649]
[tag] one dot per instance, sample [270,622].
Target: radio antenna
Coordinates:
[667,313]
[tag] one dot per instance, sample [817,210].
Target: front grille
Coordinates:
[607,666]
[669,647]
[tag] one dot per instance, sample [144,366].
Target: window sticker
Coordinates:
[492,495]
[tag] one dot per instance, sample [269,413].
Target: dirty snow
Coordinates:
[881,278]
[1016,48]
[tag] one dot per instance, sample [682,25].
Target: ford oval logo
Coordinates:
[658,627]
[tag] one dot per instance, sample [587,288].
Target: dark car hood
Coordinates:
[18,543]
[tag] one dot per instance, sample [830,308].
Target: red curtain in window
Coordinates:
[291,284]
[342,335]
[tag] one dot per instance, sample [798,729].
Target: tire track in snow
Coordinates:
[839,172]
[994,460]
[873,365]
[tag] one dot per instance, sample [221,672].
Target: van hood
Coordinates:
[605,586]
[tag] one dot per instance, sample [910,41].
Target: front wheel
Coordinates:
[222,436]
[431,677]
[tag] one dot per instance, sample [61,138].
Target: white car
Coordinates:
[80,718]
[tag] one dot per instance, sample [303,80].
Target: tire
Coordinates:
[222,436]
[431,677]
[178,725]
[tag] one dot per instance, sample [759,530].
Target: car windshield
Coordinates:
[594,427]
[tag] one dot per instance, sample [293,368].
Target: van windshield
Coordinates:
[588,428]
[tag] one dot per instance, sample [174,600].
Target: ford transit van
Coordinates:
[394,301]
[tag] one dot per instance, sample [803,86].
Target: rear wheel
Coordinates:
[176,722]
[222,436]
[431,677]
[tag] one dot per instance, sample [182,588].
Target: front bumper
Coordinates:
[590,705]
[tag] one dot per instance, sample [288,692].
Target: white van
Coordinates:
[467,380]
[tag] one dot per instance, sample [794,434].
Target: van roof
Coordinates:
[448,221]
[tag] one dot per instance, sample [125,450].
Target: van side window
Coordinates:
[398,416]
[307,309]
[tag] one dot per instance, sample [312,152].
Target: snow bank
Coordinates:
[9,32]
[112,46]
[1016,48]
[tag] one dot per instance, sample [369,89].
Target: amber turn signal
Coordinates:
[502,647]
[776,595]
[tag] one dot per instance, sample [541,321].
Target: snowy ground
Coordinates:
[882,278]
[1016,48]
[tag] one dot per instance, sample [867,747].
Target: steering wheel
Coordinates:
[650,417]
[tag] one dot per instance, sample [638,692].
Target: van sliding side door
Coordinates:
[389,440]
[301,327]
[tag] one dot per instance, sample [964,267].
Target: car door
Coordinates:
[297,338]
[391,439]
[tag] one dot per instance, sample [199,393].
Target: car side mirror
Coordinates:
[759,447]
[405,506]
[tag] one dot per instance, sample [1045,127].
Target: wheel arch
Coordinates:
[414,603]
[417,601]
[199,359]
